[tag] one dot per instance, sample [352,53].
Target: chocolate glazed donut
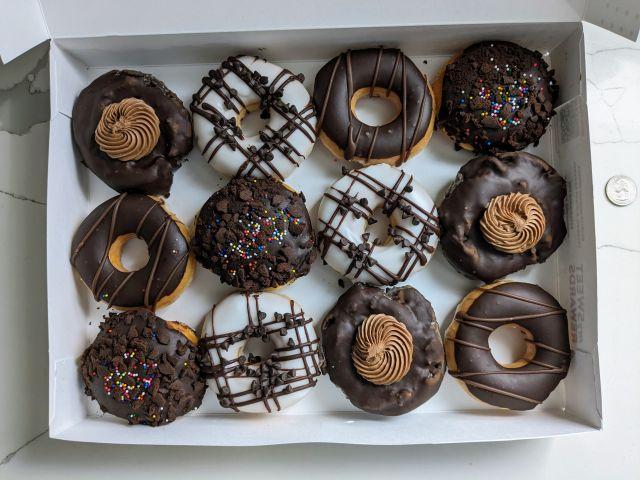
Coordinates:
[528,382]
[374,72]
[477,183]
[412,313]
[98,242]
[152,173]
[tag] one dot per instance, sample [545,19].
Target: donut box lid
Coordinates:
[27,23]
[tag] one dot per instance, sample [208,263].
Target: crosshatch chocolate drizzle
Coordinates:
[271,380]
[144,217]
[483,375]
[229,132]
[385,68]
[360,254]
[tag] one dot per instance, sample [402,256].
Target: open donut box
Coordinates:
[179,48]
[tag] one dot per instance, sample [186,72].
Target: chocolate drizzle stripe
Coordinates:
[376,69]
[144,217]
[93,227]
[551,371]
[469,344]
[482,386]
[155,266]
[549,348]
[509,319]
[493,291]
[105,255]
[407,152]
[327,96]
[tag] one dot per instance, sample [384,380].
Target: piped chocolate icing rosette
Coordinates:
[513,223]
[383,348]
[128,130]
[502,213]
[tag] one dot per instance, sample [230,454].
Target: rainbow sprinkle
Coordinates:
[259,229]
[132,384]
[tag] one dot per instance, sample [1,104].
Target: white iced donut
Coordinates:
[350,205]
[246,84]
[245,382]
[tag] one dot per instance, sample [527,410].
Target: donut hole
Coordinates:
[257,347]
[129,253]
[380,229]
[512,345]
[377,109]
[250,122]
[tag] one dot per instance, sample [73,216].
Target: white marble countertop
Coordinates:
[613,67]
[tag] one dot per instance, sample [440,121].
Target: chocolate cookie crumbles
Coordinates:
[143,369]
[497,97]
[255,234]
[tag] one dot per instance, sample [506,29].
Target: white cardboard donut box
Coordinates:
[179,42]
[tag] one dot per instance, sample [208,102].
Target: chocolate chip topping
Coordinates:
[153,173]
[339,331]
[140,369]
[497,96]
[477,183]
[371,68]
[255,234]
[530,307]
[143,217]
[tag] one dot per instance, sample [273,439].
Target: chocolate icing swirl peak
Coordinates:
[513,223]
[128,130]
[383,350]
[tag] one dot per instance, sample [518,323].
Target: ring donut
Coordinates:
[97,248]
[383,349]
[246,84]
[373,72]
[349,206]
[245,382]
[526,383]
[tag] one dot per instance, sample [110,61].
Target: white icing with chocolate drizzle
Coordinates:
[243,85]
[350,205]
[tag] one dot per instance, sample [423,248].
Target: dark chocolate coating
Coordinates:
[255,234]
[472,116]
[145,217]
[153,173]
[477,182]
[387,68]
[408,306]
[532,308]
[157,363]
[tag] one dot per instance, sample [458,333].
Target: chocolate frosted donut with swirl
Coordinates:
[132,131]
[375,72]
[496,97]
[502,213]
[383,349]
[97,249]
[527,382]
